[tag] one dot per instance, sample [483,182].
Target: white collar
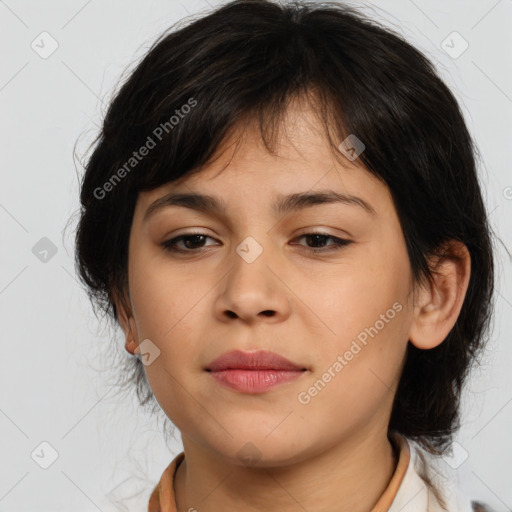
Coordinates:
[413,494]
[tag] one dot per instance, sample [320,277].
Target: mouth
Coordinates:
[254,372]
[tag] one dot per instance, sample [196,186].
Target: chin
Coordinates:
[261,452]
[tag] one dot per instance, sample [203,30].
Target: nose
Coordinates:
[253,288]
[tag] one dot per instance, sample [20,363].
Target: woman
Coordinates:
[283,214]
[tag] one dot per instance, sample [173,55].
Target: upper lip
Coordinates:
[259,360]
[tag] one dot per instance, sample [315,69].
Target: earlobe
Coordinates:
[127,323]
[440,302]
[131,342]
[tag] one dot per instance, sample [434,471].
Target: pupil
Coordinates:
[192,240]
[317,238]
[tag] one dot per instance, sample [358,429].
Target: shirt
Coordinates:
[406,491]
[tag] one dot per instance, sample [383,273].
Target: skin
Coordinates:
[332,453]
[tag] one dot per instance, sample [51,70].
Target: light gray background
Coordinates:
[50,340]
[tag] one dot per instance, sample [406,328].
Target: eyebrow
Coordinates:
[283,204]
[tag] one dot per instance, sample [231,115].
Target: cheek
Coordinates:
[369,316]
[356,379]
[163,298]
[357,297]
[164,314]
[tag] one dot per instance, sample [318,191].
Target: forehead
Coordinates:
[244,170]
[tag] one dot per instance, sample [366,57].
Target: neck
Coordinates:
[350,476]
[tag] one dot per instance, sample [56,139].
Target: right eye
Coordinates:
[191,242]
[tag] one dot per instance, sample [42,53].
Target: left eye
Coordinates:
[191,242]
[337,243]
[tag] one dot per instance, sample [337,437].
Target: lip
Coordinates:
[253,372]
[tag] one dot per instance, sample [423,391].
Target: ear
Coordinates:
[126,321]
[438,304]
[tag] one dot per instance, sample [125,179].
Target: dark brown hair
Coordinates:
[245,60]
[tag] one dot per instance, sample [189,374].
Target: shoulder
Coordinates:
[478,506]
[426,486]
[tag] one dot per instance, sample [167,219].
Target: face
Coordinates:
[326,286]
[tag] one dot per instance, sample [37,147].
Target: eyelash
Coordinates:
[338,243]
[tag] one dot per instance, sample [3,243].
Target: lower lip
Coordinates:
[254,381]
